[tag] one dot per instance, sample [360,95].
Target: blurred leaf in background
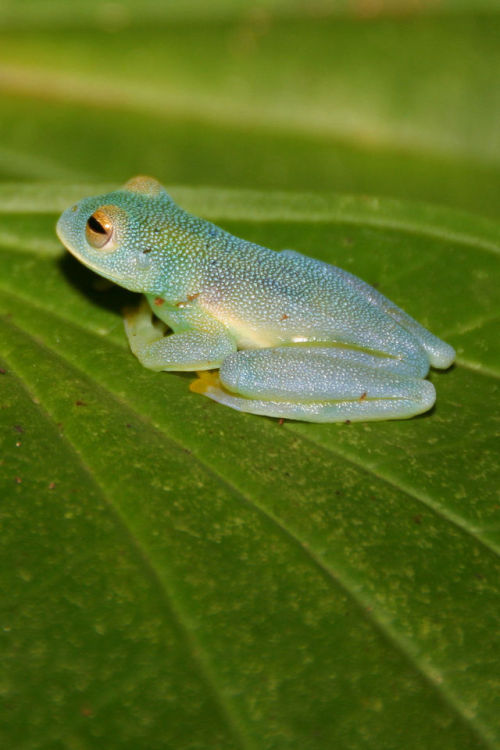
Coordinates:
[177,575]
[367,96]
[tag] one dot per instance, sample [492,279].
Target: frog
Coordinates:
[269,332]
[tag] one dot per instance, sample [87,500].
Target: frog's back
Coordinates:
[327,302]
[273,298]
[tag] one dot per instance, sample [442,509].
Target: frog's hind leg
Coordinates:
[315,384]
[439,353]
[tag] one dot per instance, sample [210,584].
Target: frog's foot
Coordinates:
[141,326]
[157,349]
[314,384]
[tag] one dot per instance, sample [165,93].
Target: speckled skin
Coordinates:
[292,336]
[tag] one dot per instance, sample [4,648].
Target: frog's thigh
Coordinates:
[189,350]
[313,384]
[439,353]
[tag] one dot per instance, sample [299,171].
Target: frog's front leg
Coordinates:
[316,384]
[187,350]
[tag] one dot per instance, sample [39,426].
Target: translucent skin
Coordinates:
[321,345]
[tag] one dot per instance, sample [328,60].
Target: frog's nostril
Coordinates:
[75,207]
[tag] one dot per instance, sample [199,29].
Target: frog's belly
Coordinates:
[249,336]
[257,328]
[283,329]
[265,334]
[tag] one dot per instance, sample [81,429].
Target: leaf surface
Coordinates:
[324,96]
[184,575]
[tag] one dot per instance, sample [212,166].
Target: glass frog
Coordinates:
[290,336]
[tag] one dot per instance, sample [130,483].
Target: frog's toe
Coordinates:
[142,329]
[206,382]
[442,355]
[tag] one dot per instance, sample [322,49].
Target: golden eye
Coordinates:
[99,230]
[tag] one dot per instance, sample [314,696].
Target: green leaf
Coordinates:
[318,97]
[180,575]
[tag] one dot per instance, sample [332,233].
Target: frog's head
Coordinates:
[119,234]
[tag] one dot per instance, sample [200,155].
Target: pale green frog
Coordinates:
[290,336]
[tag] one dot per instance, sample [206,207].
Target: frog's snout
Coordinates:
[67,226]
[61,227]
[67,232]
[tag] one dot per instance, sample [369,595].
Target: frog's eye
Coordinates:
[99,230]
